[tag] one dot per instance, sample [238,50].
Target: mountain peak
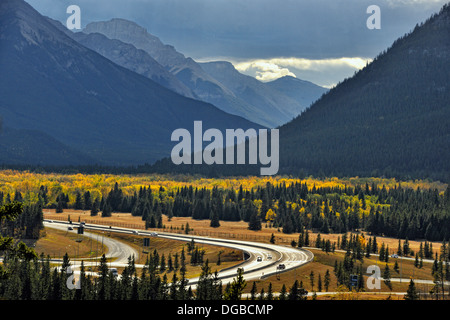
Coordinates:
[126,31]
[118,27]
[21,21]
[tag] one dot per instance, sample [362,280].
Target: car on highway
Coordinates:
[113,272]
[281,266]
[154,234]
[259,259]
[269,256]
[135,232]
[394,255]
[70,228]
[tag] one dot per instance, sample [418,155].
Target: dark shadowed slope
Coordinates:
[393,117]
[53,84]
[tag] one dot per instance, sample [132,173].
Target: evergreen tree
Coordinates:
[327,280]
[234,290]
[214,220]
[254,223]
[95,208]
[387,277]
[253,291]
[283,293]
[411,293]
[297,292]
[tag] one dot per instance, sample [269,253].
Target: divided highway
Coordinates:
[263,259]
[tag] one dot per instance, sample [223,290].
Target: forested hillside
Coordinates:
[391,118]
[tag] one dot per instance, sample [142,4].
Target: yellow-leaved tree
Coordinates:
[270,215]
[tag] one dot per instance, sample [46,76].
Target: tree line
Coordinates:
[28,224]
[398,212]
[36,279]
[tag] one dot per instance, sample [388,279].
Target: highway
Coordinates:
[263,259]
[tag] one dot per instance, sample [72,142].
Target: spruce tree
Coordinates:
[411,293]
[387,277]
[215,223]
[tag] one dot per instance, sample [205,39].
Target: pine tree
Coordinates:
[254,222]
[253,291]
[301,240]
[214,219]
[78,201]
[297,292]
[319,283]
[95,207]
[283,292]
[272,239]
[234,290]
[269,292]
[411,293]
[327,280]
[387,277]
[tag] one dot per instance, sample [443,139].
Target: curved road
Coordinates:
[264,259]
[117,250]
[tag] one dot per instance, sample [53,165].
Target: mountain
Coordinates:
[304,92]
[127,56]
[32,147]
[268,103]
[52,84]
[204,85]
[391,118]
[139,61]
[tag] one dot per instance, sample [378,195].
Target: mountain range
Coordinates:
[113,93]
[392,118]
[51,84]
[217,82]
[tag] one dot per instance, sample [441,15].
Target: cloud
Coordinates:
[397,3]
[264,70]
[315,70]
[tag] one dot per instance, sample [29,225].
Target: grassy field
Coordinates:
[55,243]
[227,229]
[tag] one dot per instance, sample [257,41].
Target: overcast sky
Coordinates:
[323,41]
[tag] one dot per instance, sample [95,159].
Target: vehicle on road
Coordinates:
[259,259]
[269,256]
[394,255]
[154,234]
[113,272]
[135,232]
[281,266]
[70,228]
